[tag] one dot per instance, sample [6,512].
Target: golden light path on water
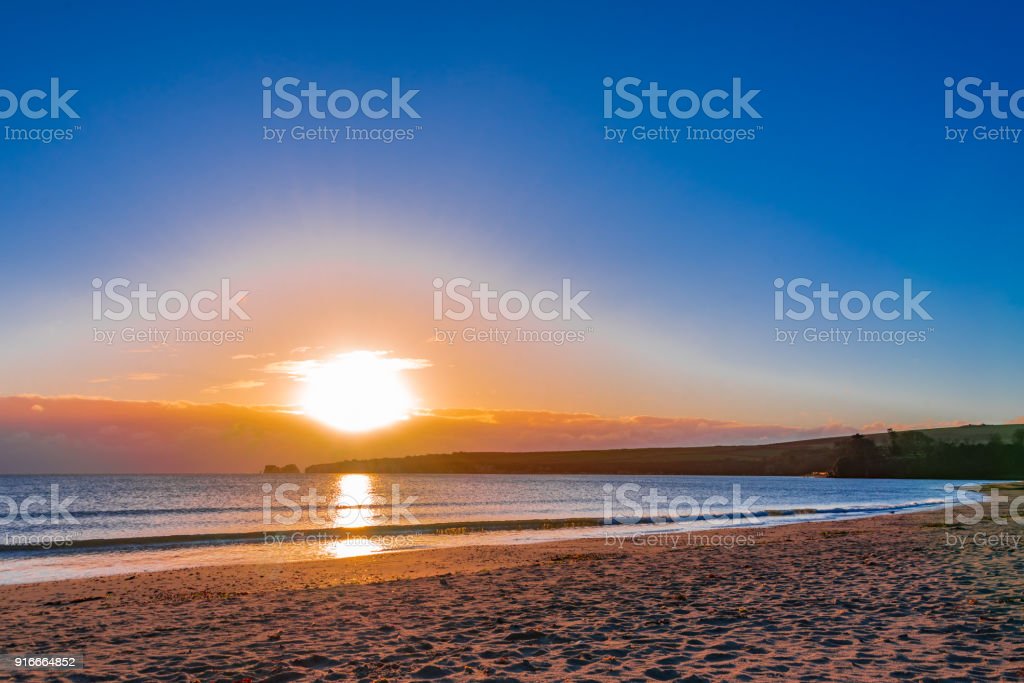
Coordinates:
[352,547]
[354,502]
[352,506]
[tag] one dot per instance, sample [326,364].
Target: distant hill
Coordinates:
[969,434]
[800,458]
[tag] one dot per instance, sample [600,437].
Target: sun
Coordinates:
[359,391]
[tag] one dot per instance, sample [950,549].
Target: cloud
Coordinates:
[295,368]
[91,434]
[301,369]
[87,434]
[251,356]
[132,377]
[240,384]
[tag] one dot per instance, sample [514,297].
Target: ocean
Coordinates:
[59,527]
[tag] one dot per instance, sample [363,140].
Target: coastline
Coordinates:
[881,596]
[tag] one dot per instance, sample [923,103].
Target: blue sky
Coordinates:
[849,181]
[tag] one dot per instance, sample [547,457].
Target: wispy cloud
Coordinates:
[145,376]
[300,369]
[241,384]
[132,377]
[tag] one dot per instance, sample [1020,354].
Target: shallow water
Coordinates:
[116,524]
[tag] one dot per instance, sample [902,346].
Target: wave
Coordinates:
[325,533]
[141,512]
[130,543]
[135,512]
[855,508]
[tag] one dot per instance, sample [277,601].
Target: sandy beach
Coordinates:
[893,597]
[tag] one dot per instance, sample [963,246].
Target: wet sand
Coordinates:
[893,597]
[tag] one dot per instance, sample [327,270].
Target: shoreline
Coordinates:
[587,525]
[208,550]
[886,595]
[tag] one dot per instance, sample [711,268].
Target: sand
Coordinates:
[864,600]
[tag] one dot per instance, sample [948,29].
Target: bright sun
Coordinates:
[359,391]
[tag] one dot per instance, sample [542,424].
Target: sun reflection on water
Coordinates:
[352,547]
[355,501]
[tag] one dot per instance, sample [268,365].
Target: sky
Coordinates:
[508,179]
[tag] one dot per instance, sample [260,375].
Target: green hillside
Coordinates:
[961,452]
